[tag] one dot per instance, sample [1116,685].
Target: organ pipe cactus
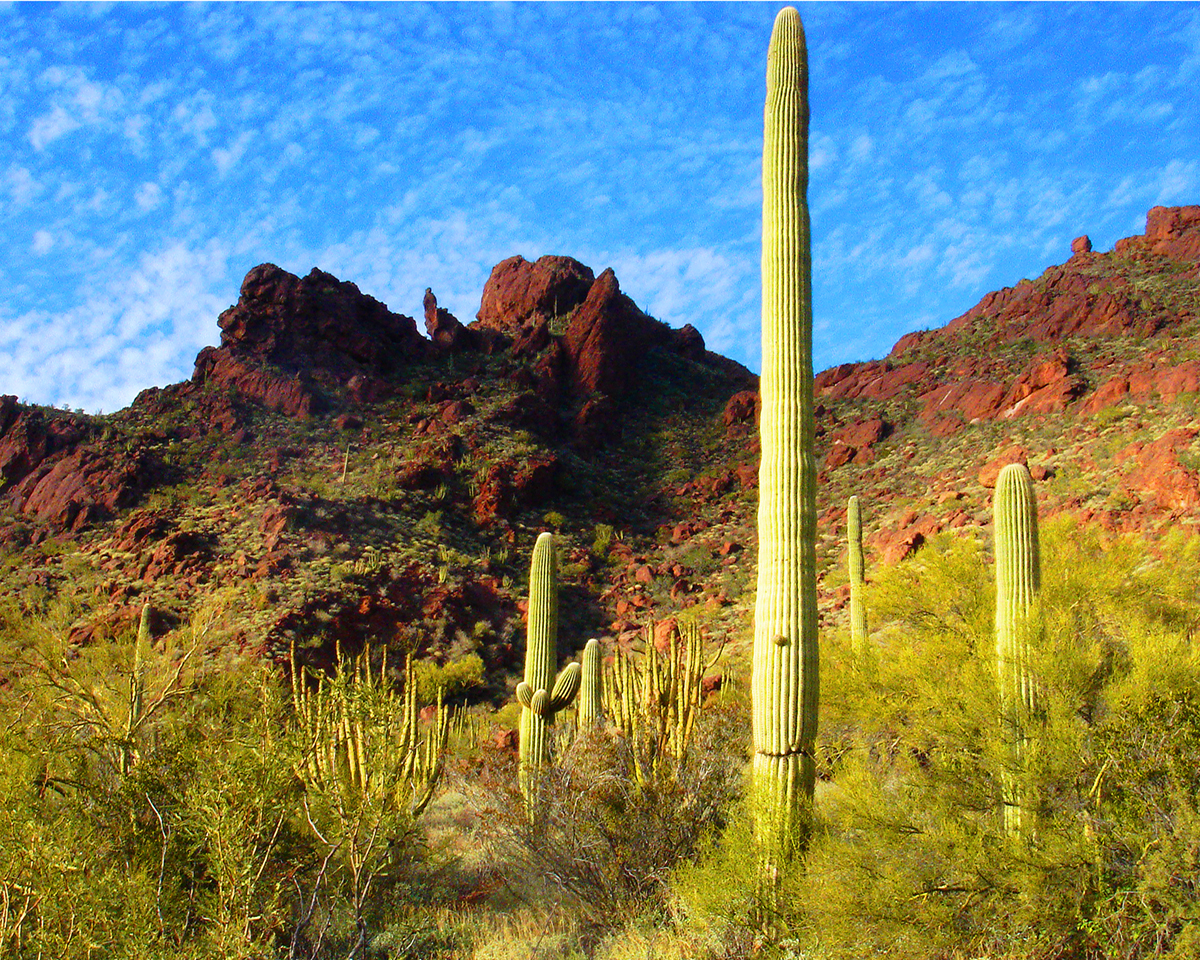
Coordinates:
[363,740]
[1018,579]
[858,609]
[542,696]
[785,677]
[591,688]
[655,698]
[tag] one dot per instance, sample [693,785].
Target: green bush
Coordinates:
[910,858]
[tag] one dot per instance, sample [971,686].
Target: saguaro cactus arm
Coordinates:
[785,679]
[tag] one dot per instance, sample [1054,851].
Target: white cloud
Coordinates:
[226,157]
[51,126]
[43,241]
[148,196]
[21,184]
[135,331]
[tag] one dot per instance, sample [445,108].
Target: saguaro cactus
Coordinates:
[136,712]
[785,680]
[1018,579]
[858,609]
[591,688]
[539,693]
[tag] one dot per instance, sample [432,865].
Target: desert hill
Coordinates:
[330,474]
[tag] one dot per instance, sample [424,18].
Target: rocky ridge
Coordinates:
[344,476]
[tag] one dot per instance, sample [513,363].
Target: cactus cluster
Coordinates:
[655,697]
[785,670]
[362,739]
[542,696]
[1018,579]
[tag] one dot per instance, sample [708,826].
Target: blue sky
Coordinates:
[151,155]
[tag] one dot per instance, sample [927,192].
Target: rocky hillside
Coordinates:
[330,474]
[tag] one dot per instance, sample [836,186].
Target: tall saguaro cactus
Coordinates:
[858,609]
[540,695]
[785,681]
[1018,579]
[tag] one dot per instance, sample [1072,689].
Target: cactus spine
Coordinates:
[785,681]
[858,609]
[591,688]
[1018,579]
[540,695]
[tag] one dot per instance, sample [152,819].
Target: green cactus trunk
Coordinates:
[540,695]
[1018,579]
[591,688]
[128,753]
[858,608]
[785,680]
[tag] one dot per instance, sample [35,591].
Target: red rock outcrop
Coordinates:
[84,486]
[28,437]
[284,330]
[1156,469]
[518,292]
[509,486]
[1172,232]
[605,337]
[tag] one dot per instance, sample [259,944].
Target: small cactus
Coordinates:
[591,689]
[1018,579]
[858,609]
[128,754]
[542,696]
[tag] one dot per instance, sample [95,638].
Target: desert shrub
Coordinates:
[604,839]
[451,680]
[910,858]
[211,844]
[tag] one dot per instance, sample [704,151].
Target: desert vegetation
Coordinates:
[282,719]
[229,835]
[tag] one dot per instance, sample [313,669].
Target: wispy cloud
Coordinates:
[409,146]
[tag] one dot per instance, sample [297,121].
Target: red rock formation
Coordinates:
[1172,232]
[84,486]
[292,395]
[28,437]
[509,486]
[283,325]
[1156,469]
[605,338]
[445,331]
[518,292]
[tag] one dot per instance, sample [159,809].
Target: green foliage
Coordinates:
[207,842]
[449,681]
[911,858]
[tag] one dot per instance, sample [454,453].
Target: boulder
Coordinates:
[518,291]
